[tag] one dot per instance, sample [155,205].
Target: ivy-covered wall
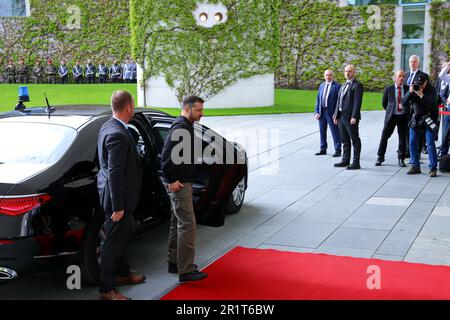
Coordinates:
[69,29]
[440,39]
[198,60]
[317,35]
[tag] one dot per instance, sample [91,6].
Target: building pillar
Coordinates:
[427,37]
[397,40]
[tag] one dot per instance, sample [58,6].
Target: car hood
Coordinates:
[15,173]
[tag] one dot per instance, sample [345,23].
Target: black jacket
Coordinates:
[119,179]
[415,76]
[181,136]
[427,105]
[388,101]
[351,101]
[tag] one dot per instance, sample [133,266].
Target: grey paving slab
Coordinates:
[302,234]
[413,220]
[437,227]
[398,242]
[393,191]
[429,251]
[375,217]
[280,197]
[386,201]
[356,238]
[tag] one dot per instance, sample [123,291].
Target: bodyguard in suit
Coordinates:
[324,110]
[414,71]
[347,115]
[396,116]
[119,183]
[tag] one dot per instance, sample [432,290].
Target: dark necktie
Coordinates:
[410,78]
[399,99]
[324,98]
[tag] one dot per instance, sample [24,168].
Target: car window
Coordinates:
[34,143]
[163,132]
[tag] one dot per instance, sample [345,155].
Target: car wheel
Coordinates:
[94,236]
[237,198]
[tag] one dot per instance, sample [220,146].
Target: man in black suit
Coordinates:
[396,116]
[119,183]
[347,115]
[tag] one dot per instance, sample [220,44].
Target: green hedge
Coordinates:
[203,61]
[104,31]
[317,35]
[440,39]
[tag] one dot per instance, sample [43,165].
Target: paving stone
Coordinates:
[356,238]
[302,234]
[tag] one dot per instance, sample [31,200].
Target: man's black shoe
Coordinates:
[337,154]
[379,162]
[414,170]
[173,268]
[425,150]
[433,172]
[192,276]
[401,163]
[341,164]
[321,152]
[354,166]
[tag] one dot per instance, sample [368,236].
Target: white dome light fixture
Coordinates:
[203,17]
[208,15]
[218,17]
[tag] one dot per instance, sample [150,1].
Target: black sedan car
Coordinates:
[49,205]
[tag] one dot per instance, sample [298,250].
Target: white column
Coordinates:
[398,38]
[28,8]
[426,38]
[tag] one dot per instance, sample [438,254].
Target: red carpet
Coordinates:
[265,274]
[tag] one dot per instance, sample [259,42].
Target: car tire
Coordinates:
[237,197]
[92,244]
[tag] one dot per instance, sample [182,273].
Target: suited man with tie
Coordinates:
[411,75]
[119,183]
[347,115]
[396,116]
[325,106]
[443,91]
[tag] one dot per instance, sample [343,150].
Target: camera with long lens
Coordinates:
[431,124]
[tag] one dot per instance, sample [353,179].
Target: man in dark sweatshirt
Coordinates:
[422,101]
[178,166]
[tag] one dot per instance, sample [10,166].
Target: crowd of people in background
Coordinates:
[413,105]
[64,74]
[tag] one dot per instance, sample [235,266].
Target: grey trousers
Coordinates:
[182,230]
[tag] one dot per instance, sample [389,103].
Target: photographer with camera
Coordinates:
[421,100]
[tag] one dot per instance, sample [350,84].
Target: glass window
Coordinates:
[13,8]
[413,22]
[409,50]
[45,146]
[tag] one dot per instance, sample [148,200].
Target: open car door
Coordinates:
[214,180]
